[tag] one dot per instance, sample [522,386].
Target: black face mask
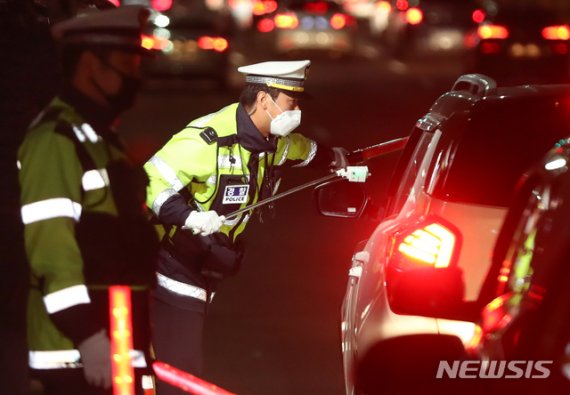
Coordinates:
[126,95]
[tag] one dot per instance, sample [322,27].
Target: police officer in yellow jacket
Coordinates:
[217,164]
[83,209]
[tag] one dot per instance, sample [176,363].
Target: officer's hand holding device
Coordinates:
[95,354]
[205,223]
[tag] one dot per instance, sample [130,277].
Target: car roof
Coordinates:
[471,90]
[485,127]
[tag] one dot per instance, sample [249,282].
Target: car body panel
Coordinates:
[472,257]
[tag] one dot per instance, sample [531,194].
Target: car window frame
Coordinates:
[403,163]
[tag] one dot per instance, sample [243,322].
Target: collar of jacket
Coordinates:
[101,118]
[250,137]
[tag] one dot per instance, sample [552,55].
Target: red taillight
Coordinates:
[217,44]
[116,3]
[414,16]
[478,16]
[286,21]
[402,5]
[121,339]
[431,245]
[264,7]
[265,25]
[561,32]
[161,5]
[338,21]
[487,32]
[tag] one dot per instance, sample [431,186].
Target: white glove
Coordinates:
[96,357]
[205,223]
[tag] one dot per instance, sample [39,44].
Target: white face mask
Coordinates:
[284,123]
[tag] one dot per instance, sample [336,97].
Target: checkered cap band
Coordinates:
[280,83]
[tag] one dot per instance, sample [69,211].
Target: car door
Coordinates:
[401,183]
[517,292]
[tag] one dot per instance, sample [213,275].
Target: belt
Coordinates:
[181,288]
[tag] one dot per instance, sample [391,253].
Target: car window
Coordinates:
[516,271]
[499,142]
[405,179]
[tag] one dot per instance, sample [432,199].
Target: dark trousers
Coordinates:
[67,382]
[177,337]
[72,382]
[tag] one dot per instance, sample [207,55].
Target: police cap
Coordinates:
[288,76]
[119,28]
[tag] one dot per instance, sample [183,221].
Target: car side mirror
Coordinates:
[340,198]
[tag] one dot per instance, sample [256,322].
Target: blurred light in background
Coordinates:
[478,16]
[161,5]
[556,32]
[414,16]
[161,20]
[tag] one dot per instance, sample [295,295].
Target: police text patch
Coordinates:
[235,194]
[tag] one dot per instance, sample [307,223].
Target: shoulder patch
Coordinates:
[209,135]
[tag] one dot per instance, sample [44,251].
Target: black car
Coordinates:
[418,28]
[523,44]
[527,317]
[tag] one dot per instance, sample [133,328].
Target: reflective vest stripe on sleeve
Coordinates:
[62,359]
[161,199]
[285,152]
[167,173]
[312,153]
[66,298]
[50,208]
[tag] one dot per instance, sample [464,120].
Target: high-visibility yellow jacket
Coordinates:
[81,236]
[219,162]
[189,167]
